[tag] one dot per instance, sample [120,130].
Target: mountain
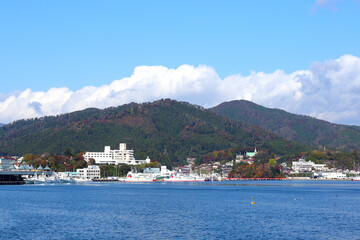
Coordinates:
[2,124]
[299,128]
[166,130]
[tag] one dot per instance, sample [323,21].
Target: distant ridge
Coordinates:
[166,130]
[2,124]
[299,128]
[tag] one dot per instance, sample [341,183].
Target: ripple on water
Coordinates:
[181,211]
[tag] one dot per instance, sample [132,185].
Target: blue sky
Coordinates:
[74,44]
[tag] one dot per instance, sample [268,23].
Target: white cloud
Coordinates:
[328,90]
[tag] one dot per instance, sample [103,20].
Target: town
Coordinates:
[18,171]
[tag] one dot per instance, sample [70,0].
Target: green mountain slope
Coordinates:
[302,129]
[166,130]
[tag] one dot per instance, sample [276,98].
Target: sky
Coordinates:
[61,56]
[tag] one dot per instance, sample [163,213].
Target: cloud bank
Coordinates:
[328,90]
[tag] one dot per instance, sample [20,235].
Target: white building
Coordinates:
[332,175]
[304,166]
[320,167]
[166,172]
[239,158]
[115,157]
[90,172]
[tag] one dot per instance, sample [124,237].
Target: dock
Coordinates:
[14,177]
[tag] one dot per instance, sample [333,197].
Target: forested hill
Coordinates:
[302,129]
[166,130]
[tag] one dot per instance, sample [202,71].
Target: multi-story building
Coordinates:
[115,157]
[91,172]
[304,166]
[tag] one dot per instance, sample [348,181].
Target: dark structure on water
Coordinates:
[11,179]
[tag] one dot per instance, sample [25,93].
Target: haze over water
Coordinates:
[211,210]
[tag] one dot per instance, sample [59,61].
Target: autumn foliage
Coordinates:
[245,170]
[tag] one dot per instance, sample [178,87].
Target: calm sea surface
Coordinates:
[211,210]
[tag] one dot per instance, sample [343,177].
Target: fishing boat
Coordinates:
[139,177]
[64,178]
[36,179]
[184,178]
[67,179]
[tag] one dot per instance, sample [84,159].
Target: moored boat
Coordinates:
[356,178]
[139,177]
[184,178]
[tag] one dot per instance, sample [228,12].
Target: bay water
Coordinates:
[209,210]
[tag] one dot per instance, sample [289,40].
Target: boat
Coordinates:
[52,179]
[158,179]
[67,179]
[42,179]
[64,178]
[357,178]
[184,178]
[81,180]
[139,177]
[28,181]
[36,179]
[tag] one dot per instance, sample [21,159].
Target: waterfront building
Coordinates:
[115,157]
[5,163]
[332,175]
[91,172]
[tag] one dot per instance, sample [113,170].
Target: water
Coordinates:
[211,210]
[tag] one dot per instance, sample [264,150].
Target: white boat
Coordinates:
[82,180]
[66,180]
[356,178]
[184,178]
[36,179]
[28,181]
[139,177]
[163,174]
[51,179]
[39,181]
